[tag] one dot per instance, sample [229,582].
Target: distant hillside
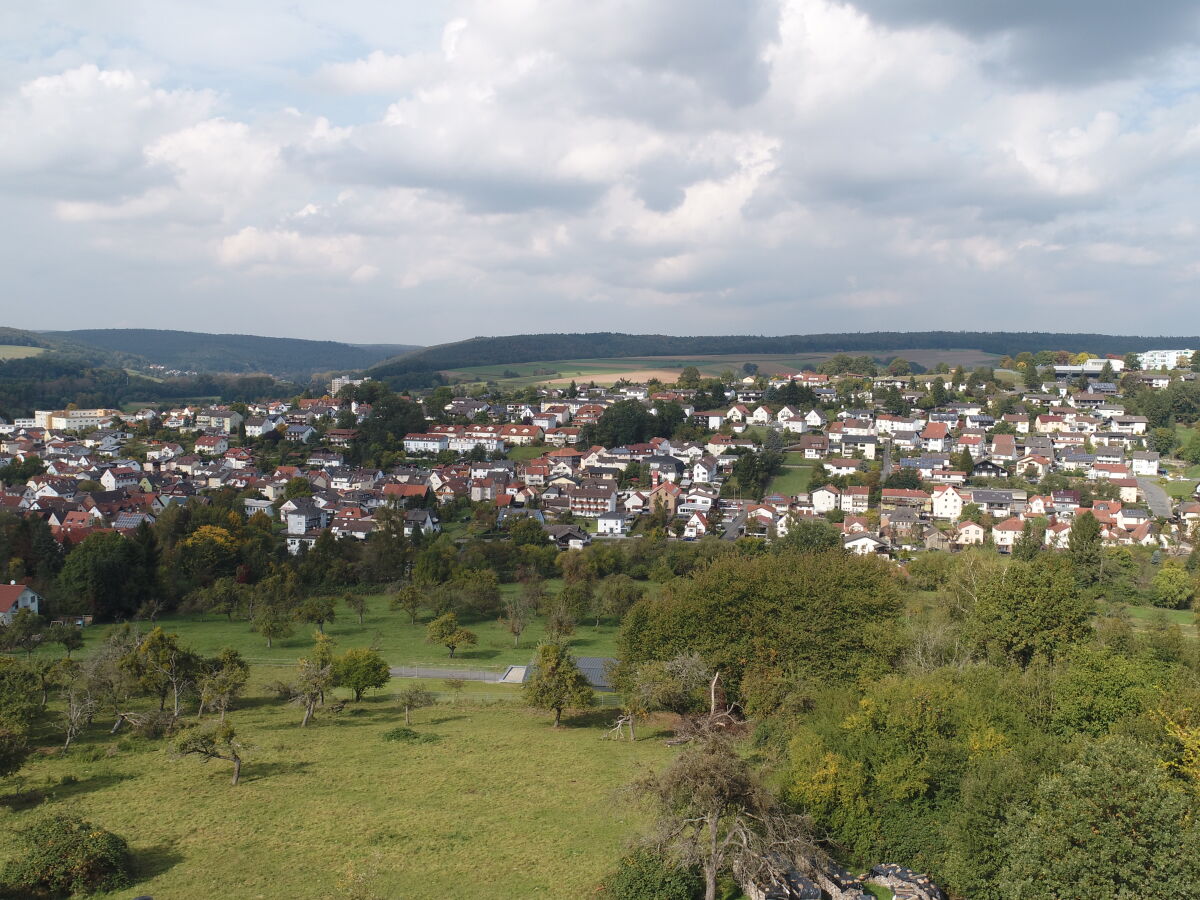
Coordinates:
[484,351]
[200,352]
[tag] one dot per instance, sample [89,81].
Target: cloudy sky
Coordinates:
[418,172]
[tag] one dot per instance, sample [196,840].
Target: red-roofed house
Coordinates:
[15,596]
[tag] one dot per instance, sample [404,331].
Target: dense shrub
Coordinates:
[61,854]
[408,736]
[643,875]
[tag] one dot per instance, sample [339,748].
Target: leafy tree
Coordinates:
[808,535]
[773,606]
[409,599]
[107,575]
[297,487]
[68,636]
[645,875]
[1106,825]
[518,613]
[414,697]
[211,742]
[14,750]
[1031,608]
[272,620]
[1172,587]
[312,680]
[163,666]
[221,681]
[556,683]
[445,630]
[712,812]
[1164,440]
[316,611]
[614,595]
[1029,544]
[360,670]
[25,632]
[357,604]
[1085,548]
[62,854]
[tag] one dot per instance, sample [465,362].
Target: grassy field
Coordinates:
[400,642]
[791,480]
[1141,617]
[1179,489]
[16,351]
[667,368]
[501,805]
[523,453]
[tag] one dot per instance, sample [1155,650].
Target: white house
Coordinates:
[948,503]
[613,523]
[825,499]
[14,597]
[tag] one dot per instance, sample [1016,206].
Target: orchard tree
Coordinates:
[360,670]
[414,697]
[445,630]
[518,613]
[312,680]
[409,599]
[316,611]
[357,604]
[556,682]
[213,742]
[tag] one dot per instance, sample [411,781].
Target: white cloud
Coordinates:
[678,166]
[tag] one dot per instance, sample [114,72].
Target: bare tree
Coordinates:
[714,813]
[78,709]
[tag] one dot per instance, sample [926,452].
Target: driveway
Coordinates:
[1156,497]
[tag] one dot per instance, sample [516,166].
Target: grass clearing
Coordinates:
[791,480]
[1180,490]
[1142,616]
[497,804]
[400,643]
[18,351]
[524,453]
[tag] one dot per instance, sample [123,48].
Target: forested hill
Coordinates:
[483,351]
[201,352]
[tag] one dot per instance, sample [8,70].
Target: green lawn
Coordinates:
[501,805]
[398,641]
[791,480]
[1179,489]
[17,351]
[523,453]
[1143,615]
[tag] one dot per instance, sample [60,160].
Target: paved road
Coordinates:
[465,674]
[1156,497]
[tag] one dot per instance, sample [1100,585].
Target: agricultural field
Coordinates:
[17,351]
[488,801]
[667,368]
[399,642]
